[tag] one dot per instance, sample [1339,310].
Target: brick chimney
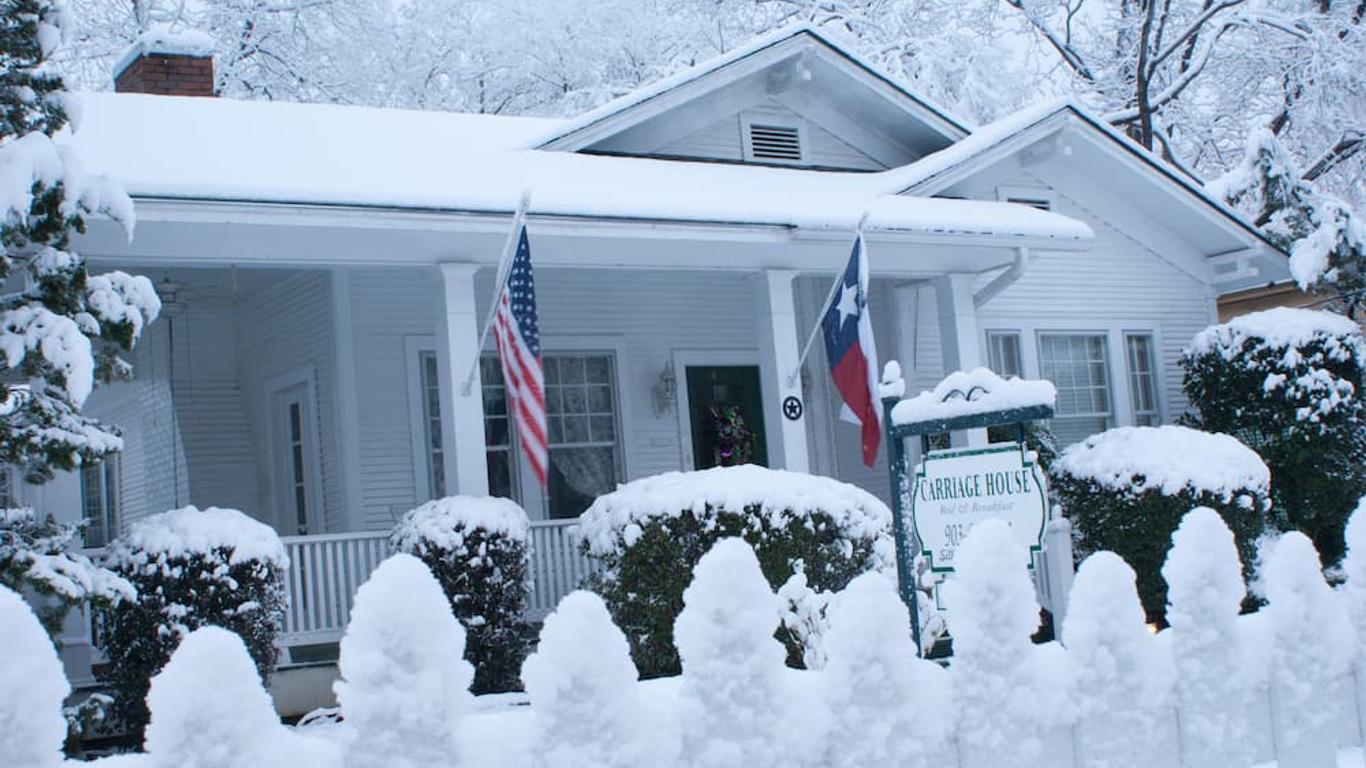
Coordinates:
[168,64]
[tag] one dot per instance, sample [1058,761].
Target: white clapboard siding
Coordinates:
[724,139]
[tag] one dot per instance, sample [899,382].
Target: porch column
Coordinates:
[959,336]
[779,348]
[462,413]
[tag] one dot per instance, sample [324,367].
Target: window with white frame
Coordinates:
[1078,365]
[581,422]
[1142,378]
[1003,353]
[100,483]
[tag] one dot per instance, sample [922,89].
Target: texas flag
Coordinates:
[849,347]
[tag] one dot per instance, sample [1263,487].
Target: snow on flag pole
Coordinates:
[518,217]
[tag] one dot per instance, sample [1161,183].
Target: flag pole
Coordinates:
[509,246]
[834,286]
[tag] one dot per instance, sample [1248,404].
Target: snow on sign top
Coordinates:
[1280,328]
[971,393]
[1168,459]
[190,531]
[221,149]
[857,512]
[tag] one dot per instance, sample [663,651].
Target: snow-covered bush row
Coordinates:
[1287,383]
[1111,694]
[479,549]
[191,568]
[1126,489]
[648,536]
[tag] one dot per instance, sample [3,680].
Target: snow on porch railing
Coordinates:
[324,572]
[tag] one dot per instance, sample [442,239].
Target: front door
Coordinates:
[296,460]
[726,414]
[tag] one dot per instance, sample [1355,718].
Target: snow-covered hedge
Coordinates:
[648,535]
[479,550]
[191,568]
[1287,382]
[1126,490]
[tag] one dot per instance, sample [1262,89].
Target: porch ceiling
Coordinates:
[206,234]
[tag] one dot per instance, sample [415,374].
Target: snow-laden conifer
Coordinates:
[1312,645]
[404,681]
[210,711]
[32,688]
[582,687]
[1123,674]
[1204,593]
[732,695]
[886,706]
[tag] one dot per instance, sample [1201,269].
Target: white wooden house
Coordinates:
[325,268]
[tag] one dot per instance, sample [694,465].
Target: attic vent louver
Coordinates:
[775,142]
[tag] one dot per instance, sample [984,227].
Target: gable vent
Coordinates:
[775,142]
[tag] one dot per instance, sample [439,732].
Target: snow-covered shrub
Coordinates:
[583,692]
[1008,690]
[805,619]
[1123,674]
[886,706]
[732,697]
[1205,591]
[191,568]
[404,680]
[648,535]
[478,548]
[40,556]
[1287,382]
[32,688]
[1313,643]
[1126,489]
[208,710]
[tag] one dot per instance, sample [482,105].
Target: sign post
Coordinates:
[951,490]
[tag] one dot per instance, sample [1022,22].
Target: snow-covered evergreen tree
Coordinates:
[1123,675]
[582,687]
[1312,645]
[732,692]
[886,706]
[404,680]
[1205,591]
[40,555]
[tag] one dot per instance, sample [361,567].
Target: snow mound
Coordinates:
[1281,328]
[1168,459]
[1122,674]
[778,494]
[972,392]
[443,522]
[210,711]
[582,688]
[189,531]
[1353,593]
[732,682]
[32,689]
[404,680]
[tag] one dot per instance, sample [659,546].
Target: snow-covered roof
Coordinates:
[630,101]
[221,149]
[164,41]
[969,393]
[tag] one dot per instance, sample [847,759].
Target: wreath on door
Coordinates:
[732,441]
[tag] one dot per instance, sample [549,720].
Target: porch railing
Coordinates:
[325,571]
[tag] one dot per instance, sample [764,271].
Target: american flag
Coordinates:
[519,350]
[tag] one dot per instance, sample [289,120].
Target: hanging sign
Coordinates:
[955,489]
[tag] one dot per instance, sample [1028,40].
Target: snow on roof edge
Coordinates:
[164,41]
[716,63]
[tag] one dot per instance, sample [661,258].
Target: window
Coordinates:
[1142,378]
[6,488]
[100,500]
[581,422]
[502,461]
[1077,364]
[1003,353]
[296,471]
[430,397]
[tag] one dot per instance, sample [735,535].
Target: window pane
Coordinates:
[431,415]
[598,370]
[575,429]
[1077,366]
[500,473]
[577,477]
[1142,378]
[1003,350]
